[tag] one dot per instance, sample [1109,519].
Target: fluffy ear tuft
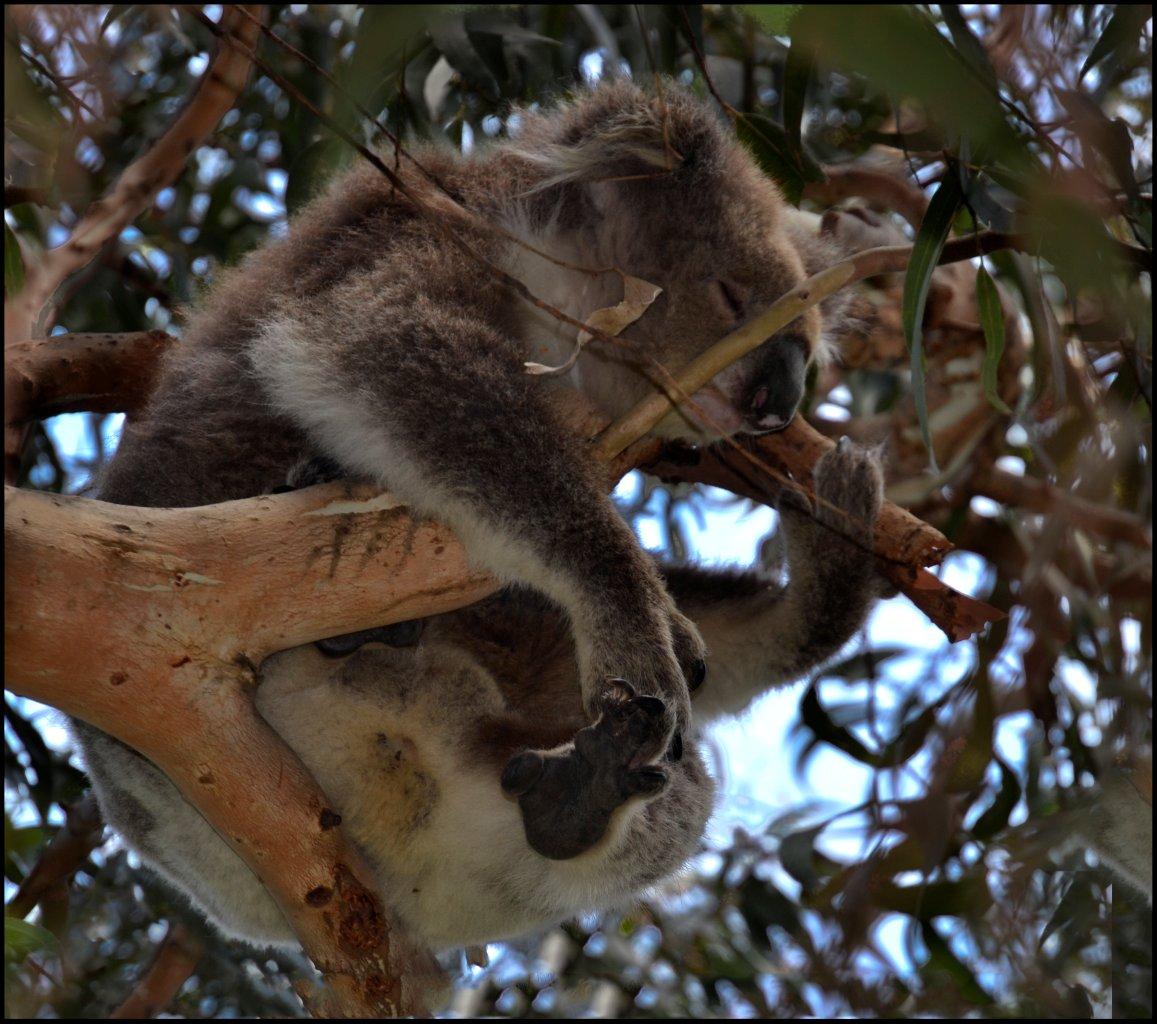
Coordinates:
[627,146]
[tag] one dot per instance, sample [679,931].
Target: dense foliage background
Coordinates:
[950,884]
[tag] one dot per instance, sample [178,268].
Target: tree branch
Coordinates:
[139,183]
[82,373]
[81,833]
[175,960]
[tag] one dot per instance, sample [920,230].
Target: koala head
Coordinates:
[657,187]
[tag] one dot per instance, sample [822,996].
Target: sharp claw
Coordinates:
[844,443]
[675,750]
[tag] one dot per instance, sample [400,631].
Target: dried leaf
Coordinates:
[637,296]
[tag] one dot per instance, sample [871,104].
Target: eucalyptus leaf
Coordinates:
[925,255]
[21,939]
[1121,34]
[992,322]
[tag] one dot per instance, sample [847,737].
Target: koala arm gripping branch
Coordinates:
[760,635]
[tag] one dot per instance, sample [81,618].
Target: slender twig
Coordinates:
[68,849]
[135,188]
[701,61]
[176,958]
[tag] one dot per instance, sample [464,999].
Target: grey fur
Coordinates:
[363,340]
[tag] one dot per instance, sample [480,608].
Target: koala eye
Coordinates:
[729,297]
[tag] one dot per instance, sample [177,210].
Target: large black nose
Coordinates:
[777,385]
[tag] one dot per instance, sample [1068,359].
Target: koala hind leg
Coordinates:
[173,839]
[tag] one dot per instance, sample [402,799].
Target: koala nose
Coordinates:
[778,386]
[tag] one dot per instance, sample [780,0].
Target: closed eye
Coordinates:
[730,299]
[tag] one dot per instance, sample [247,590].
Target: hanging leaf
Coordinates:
[817,719]
[925,255]
[942,959]
[797,73]
[967,45]
[992,321]
[777,155]
[993,820]
[1121,34]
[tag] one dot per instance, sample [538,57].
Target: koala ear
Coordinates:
[521,772]
[625,146]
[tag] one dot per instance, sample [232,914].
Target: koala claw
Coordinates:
[567,797]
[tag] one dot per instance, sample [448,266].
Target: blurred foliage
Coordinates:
[953,887]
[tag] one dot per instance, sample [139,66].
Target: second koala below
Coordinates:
[416,739]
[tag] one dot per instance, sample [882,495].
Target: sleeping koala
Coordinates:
[530,756]
[428,736]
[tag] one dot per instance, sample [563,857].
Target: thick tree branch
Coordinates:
[165,653]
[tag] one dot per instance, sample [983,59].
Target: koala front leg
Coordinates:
[760,635]
[436,406]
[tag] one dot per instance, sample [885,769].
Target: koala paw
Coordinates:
[850,484]
[849,487]
[567,797]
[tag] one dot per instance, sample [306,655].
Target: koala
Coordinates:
[533,755]
[458,753]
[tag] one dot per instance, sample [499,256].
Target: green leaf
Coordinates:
[797,73]
[764,906]
[972,762]
[797,853]
[311,169]
[925,255]
[968,897]
[993,820]
[1122,32]
[969,47]
[774,18]
[863,664]
[900,51]
[941,959]
[454,43]
[22,939]
[13,264]
[777,155]
[992,321]
[816,718]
